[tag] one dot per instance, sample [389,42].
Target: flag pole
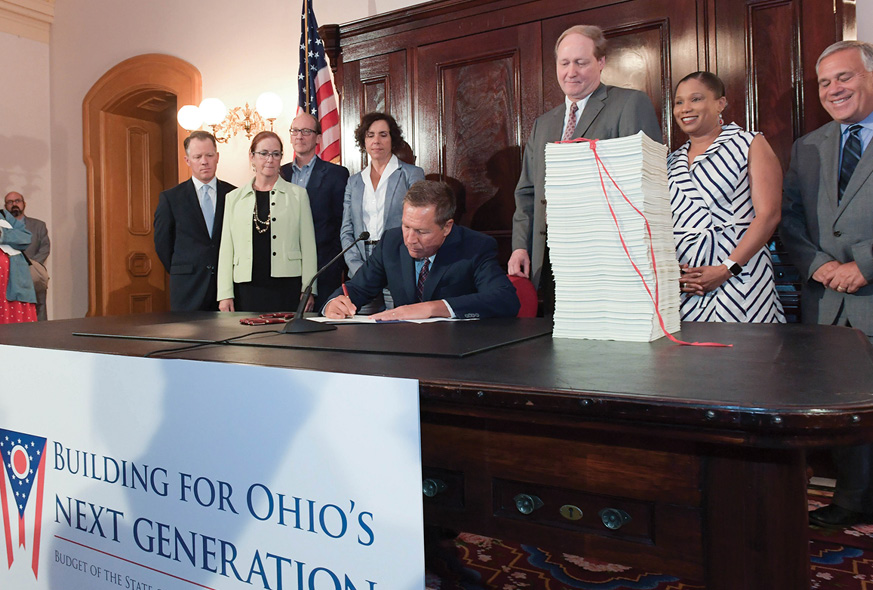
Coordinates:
[306,50]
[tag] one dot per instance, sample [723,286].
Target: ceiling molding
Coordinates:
[27,18]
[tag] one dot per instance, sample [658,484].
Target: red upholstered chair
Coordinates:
[527,296]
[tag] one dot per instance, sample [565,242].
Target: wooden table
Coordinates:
[697,453]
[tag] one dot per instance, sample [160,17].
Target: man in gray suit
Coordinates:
[827,228]
[40,245]
[591,110]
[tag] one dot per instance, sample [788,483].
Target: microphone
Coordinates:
[298,325]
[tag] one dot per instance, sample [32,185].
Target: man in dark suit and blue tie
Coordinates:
[827,228]
[432,267]
[325,183]
[188,227]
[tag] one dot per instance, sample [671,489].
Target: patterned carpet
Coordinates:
[839,560]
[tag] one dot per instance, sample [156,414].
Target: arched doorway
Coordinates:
[132,152]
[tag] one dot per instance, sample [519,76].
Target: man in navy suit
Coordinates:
[326,184]
[188,227]
[432,267]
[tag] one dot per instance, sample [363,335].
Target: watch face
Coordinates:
[735,269]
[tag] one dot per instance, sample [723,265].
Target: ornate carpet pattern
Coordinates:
[840,560]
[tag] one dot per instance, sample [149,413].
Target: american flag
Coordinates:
[23,457]
[316,88]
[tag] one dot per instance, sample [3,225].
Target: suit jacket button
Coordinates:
[273,192]
[274,237]
[273,204]
[837,234]
[274,253]
[274,219]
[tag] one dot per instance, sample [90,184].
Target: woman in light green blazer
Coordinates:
[267,252]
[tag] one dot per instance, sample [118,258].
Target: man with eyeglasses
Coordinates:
[325,183]
[188,227]
[38,251]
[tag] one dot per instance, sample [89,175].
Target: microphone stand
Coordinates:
[299,325]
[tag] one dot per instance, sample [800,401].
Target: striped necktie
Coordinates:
[851,155]
[422,277]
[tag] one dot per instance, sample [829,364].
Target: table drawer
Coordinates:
[575,510]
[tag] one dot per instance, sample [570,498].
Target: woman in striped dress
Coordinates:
[725,194]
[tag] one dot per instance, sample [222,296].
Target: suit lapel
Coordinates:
[315,177]
[223,189]
[407,273]
[859,177]
[390,192]
[555,125]
[830,164]
[589,113]
[192,201]
[447,254]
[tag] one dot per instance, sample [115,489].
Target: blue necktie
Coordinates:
[851,155]
[207,208]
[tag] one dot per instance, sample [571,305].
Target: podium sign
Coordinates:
[154,474]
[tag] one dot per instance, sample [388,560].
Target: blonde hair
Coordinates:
[593,32]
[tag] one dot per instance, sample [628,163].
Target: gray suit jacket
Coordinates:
[353,209]
[610,112]
[816,230]
[40,245]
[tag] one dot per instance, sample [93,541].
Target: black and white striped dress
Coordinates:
[712,209]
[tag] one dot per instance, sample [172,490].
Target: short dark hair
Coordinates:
[264,135]
[367,122]
[431,193]
[708,79]
[202,136]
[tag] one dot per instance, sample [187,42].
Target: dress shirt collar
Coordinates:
[580,106]
[213,184]
[866,132]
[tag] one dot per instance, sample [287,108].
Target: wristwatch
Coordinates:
[732,266]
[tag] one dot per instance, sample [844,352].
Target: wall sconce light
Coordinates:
[226,124]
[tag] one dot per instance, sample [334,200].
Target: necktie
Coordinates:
[851,155]
[207,207]
[571,122]
[422,277]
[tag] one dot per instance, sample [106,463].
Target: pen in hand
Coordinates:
[346,293]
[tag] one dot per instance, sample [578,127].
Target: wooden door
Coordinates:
[472,109]
[132,276]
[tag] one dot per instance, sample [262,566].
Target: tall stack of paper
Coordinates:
[598,293]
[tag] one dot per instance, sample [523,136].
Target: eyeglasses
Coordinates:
[11,201]
[265,154]
[304,132]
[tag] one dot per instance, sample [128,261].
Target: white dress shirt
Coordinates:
[374,198]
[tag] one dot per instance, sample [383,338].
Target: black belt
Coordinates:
[371,242]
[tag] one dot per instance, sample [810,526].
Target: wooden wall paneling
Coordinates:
[470,100]
[651,43]
[773,55]
[378,83]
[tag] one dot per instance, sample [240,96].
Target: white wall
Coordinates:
[25,140]
[240,48]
